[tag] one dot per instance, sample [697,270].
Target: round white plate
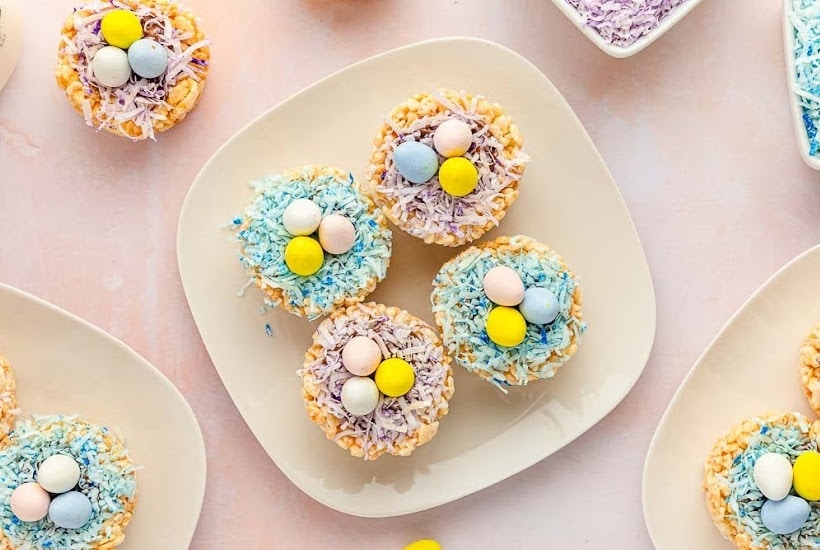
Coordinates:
[751,367]
[64,365]
[11,38]
[568,199]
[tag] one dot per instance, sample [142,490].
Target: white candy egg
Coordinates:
[452,138]
[110,67]
[773,475]
[337,234]
[503,286]
[58,474]
[302,217]
[360,395]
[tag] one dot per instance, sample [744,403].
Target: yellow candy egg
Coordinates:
[457,176]
[807,475]
[395,377]
[426,544]
[304,256]
[506,326]
[121,28]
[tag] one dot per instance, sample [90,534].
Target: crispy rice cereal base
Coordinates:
[528,245]
[8,397]
[719,462]
[277,295]
[113,530]
[331,425]
[182,97]
[425,105]
[810,368]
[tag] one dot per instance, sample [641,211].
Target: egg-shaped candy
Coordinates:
[29,502]
[452,138]
[786,516]
[395,377]
[147,58]
[70,510]
[506,326]
[121,28]
[304,256]
[110,67]
[540,306]
[503,286]
[415,161]
[58,473]
[361,356]
[302,217]
[772,474]
[337,234]
[458,176]
[425,544]
[360,395]
[806,473]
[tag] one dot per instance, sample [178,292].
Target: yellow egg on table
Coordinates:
[426,544]
[395,377]
[121,28]
[506,326]
[304,256]
[807,475]
[457,176]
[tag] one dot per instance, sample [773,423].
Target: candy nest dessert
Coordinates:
[509,310]
[446,166]
[376,380]
[312,242]
[132,67]
[810,367]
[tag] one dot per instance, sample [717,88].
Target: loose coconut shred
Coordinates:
[135,100]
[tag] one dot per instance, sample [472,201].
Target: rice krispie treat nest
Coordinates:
[343,279]
[462,307]
[141,107]
[810,367]
[8,397]
[397,425]
[425,210]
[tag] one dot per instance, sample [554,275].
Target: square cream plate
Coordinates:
[568,199]
[750,368]
[64,365]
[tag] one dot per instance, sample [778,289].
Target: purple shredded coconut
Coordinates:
[623,22]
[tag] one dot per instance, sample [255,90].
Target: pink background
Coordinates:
[696,131]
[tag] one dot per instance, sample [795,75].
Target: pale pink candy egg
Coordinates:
[503,286]
[452,138]
[29,502]
[336,234]
[361,356]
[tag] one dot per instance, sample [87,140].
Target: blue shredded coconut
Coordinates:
[268,330]
[263,239]
[105,479]
[805,20]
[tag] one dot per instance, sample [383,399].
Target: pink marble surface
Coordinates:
[696,131]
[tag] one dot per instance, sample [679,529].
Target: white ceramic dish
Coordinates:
[11,38]
[64,365]
[626,51]
[568,199]
[797,112]
[751,367]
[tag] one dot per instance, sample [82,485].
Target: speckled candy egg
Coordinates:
[110,67]
[806,473]
[58,473]
[361,356]
[503,286]
[540,306]
[425,544]
[452,138]
[786,516]
[415,161]
[29,502]
[302,217]
[121,28]
[360,395]
[395,377]
[147,58]
[70,510]
[772,474]
[458,176]
[304,256]
[506,326]
[337,234]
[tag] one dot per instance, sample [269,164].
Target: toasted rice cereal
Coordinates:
[810,367]
[8,397]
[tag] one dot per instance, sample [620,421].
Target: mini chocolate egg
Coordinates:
[29,502]
[121,28]
[110,67]
[302,217]
[458,176]
[304,256]
[772,474]
[506,326]
[415,161]
[425,544]
[70,510]
[503,286]
[58,473]
[452,138]
[540,306]
[147,58]
[360,395]
[336,234]
[806,473]
[395,377]
[361,356]
[786,516]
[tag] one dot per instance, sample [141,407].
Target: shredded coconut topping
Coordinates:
[623,22]
[804,17]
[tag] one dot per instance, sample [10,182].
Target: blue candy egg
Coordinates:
[147,58]
[540,306]
[415,161]
[785,516]
[70,510]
